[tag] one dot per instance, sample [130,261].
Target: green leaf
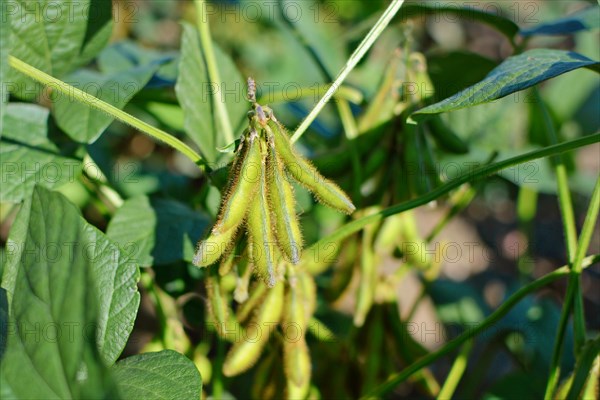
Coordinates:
[442,69]
[56,37]
[195,94]
[28,156]
[161,375]
[3,321]
[503,25]
[514,74]
[157,231]
[85,124]
[4,51]
[585,19]
[59,274]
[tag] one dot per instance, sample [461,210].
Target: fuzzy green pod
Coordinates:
[245,176]
[211,249]
[306,174]
[263,250]
[283,207]
[246,351]
[219,311]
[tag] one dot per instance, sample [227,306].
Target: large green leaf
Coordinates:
[514,74]
[72,301]
[586,19]
[506,26]
[85,124]
[195,94]
[28,156]
[157,231]
[162,375]
[55,37]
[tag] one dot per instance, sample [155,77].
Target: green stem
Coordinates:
[213,70]
[358,54]
[347,93]
[472,176]
[500,312]
[573,289]
[109,109]
[456,372]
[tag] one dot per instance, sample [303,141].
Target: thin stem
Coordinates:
[473,176]
[456,372]
[351,131]
[573,289]
[347,93]
[213,70]
[94,102]
[494,317]
[358,54]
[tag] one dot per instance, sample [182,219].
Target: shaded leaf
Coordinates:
[195,93]
[157,231]
[503,25]
[85,124]
[28,157]
[514,74]
[161,375]
[62,307]
[585,19]
[56,37]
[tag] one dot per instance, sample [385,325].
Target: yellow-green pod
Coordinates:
[256,296]
[306,174]
[260,231]
[296,359]
[243,272]
[244,179]
[210,250]
[246,351]
[218,309]
[283,206]
[368,278]
[308,288]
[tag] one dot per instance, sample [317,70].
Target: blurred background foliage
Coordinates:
[511,222]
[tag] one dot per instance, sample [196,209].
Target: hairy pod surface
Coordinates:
[283,207]
[246,351]
[245,177]
[211,249]
[306,174]
[260,230]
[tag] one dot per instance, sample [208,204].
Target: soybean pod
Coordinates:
[260,231]
[283,207]
[305,173]
[245,177]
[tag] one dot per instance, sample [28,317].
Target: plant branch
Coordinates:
[358,54]
[494,317]
[213,70]
[96,103]
[473,176]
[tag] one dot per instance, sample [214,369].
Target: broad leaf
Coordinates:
[56,37]
[196,94]
[28,157]
[85,124]
[157,231]
[514,74]
[72,301]
[162,375]
[503,25]
[586,19]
